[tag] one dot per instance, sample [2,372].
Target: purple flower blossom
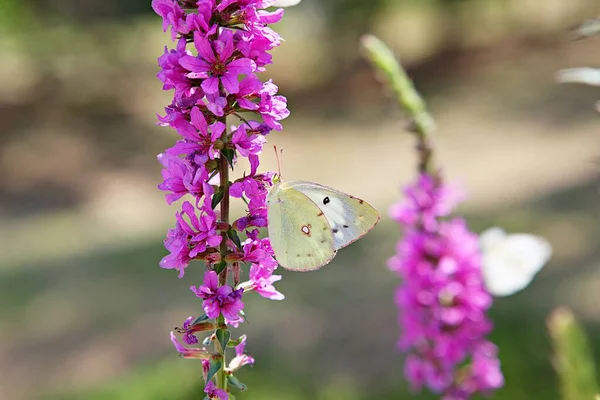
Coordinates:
[255,189]
[219,299]
[215,65]
[247,142]
[213,393]
[259,251]
[442,300]
[185,352]
[189,337]
[181,177]
[240,358]
[272,108]
[259,254]
[249,89]
[199,138]
[262,280]
[426,201]
[172,74]
[216,104]
[192,236]
[255,48]
[173,16]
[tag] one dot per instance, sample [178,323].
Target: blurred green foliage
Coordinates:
[573,358]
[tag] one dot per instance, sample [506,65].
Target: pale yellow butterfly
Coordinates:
[309,223]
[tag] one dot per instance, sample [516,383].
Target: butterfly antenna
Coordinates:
[277,156]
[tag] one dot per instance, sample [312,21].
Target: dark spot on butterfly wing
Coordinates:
[326,200]
[306,230]
[335,230]
[346,226]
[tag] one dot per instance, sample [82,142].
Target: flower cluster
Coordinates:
[220,47]
[442,300]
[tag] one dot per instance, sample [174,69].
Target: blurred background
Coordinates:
[85,309]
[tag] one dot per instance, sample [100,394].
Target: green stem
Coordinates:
[573,358]
[224,175]
[409,98]
[224,185]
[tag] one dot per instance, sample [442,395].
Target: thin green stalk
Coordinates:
[382,58]
[573,358]
[224,186]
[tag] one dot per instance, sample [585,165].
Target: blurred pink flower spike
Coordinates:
[442,299]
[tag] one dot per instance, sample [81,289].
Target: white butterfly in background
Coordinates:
[510,262]
[285,3]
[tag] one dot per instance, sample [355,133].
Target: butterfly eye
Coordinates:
[326,200]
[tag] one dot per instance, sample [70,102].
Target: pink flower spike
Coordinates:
[442,299]
[220,47]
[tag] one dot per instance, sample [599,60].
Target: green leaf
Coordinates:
[215,366]
[235,342]
[220,266]
[573,358]
[201,318]
[228,154]
[223,336]
[235,382]
[235,238]
[217,197]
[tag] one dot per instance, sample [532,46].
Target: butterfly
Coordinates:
[510,262]
[308,223]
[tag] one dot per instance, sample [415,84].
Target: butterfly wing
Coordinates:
[510,265]
[350,218]
[299,232]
